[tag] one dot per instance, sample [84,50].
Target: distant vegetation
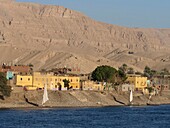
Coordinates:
[148,72]
[30,65]
[5,89]
[109,74]
[104,73]
[66,84]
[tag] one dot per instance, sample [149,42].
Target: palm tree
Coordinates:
[66,83]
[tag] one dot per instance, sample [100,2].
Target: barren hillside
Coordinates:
[53,36]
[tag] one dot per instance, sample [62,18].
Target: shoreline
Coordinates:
[80,99]
[75,107]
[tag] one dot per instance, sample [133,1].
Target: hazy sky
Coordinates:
[130,13]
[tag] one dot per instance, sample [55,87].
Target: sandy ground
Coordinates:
[80,99]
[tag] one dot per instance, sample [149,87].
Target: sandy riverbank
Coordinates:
[80,99]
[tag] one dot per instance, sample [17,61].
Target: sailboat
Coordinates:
[45,95]
[131,97]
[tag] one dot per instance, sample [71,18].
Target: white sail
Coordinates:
[131,96]
[45,96]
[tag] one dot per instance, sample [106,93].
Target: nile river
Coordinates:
[107,117]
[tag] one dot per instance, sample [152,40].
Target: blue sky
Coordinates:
[130,13]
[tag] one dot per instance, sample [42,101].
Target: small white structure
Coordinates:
[127,87]
[45,95]
[131,96]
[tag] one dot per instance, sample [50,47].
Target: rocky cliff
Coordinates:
[53,36]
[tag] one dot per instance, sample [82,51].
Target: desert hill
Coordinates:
[53,36]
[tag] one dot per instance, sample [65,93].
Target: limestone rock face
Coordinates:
[54,36]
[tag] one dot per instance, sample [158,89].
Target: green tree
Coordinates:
[66,84]
[122,72]
[130,71]
[148,72]
[30,65]
[164,72]
[4,88]
[150,89]
[121,76]
[103,73]
[123,68]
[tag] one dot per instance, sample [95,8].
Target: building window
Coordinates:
[21,78]
[71,80]
[28,79]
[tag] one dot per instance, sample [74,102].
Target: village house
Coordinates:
[52,81]
[16,69]
[139,82]
[91,85]
[161,82]
[12,71]
[127,87]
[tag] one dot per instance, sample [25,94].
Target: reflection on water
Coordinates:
[107,117]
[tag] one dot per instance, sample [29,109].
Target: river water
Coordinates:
[107,117]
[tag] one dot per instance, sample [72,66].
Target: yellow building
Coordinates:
[139,82]
[53,82]
[23,80]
